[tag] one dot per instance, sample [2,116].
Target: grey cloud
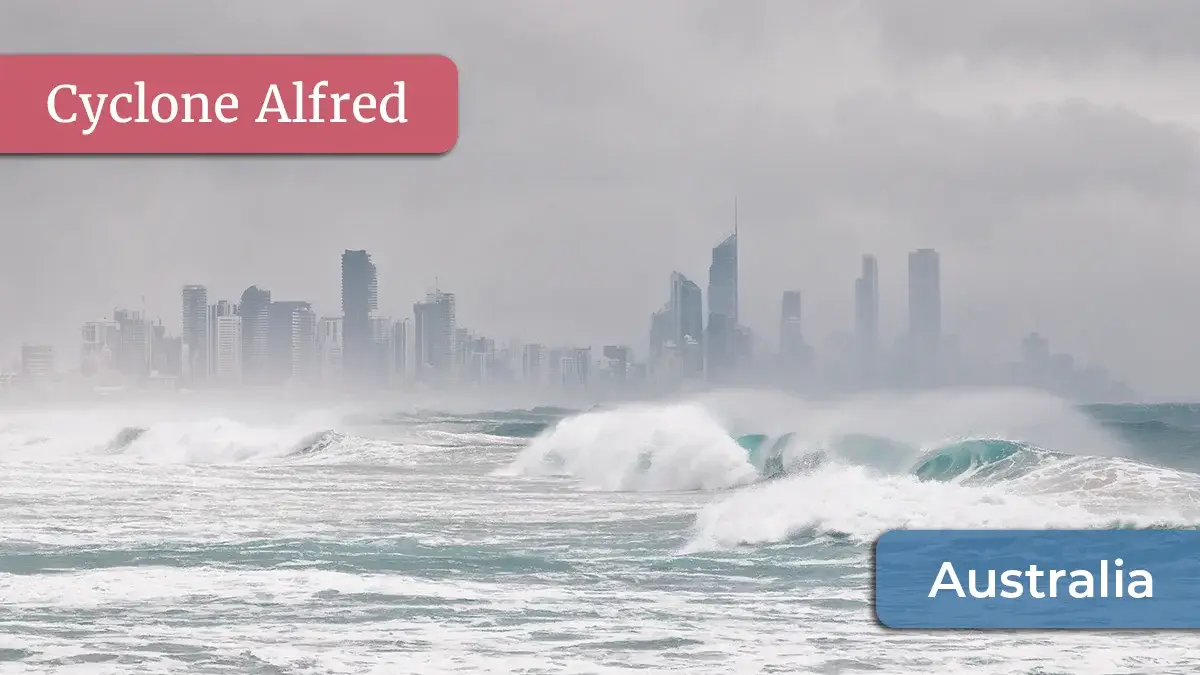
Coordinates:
[1071,32]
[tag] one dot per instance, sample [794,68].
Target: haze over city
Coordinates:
[1055,174]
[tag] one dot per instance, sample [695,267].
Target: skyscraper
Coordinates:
[723,279]
[383,350]
[216,312]
[433,338]
[195,332]
[134,351]
[227,351]
[329,347]
[618,361]
[660,330]
[291,341]
[533,358]
[866,319]
[721,343]
[101,346]
[687,323]
[399,347]
[253,308]
[360,298]
[795,354]
[924,313]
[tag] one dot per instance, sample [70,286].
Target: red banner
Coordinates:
[227,104]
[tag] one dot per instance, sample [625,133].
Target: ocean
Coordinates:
[393,537]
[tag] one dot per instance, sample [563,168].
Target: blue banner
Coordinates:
[1098,579]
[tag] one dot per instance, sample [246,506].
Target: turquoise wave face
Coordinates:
[987,459]
[765,453]
[981,457]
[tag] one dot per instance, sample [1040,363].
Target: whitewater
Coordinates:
[210,536]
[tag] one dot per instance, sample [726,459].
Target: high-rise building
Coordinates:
[723,278]
[254,309]
[399,349]
[795,354]
[866,319]
[227,348]
[533,358]
[195,332]
[924,313]
[462,345]
[721,342]
[618,361]
[660,331]
[305,358]
[134,348]
[433,337]
[383,351]
[329,346]
[924,294]
[480,362]
[291,341]
[166,355]
[101,340]
[574,366]
[360,298]
[687,324]
[217,310]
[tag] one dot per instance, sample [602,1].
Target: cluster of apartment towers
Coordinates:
[261,341]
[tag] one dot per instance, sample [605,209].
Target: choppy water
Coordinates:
[172,539]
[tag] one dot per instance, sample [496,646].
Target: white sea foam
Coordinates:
[866,488]
[220,541]
[642,447]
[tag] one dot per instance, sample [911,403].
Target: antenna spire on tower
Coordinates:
[735,215]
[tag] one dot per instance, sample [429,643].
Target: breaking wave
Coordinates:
[639,448]
[856,468]
[202,441]
[215,441]
[767,469]
[179,436]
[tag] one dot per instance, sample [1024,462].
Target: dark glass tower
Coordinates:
[254,308]
[360,297]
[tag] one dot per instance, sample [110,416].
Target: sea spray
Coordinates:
[857,503]
[641,448]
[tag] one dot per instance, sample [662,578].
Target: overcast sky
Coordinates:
[1047,149]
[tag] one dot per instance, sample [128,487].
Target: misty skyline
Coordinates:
[1048,152]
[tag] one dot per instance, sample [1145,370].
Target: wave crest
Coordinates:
[214,441]
[639,448]
[854,469]
[983,459]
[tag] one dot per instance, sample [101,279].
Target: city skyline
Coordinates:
[262,340]
[1055,176]
[902,309]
